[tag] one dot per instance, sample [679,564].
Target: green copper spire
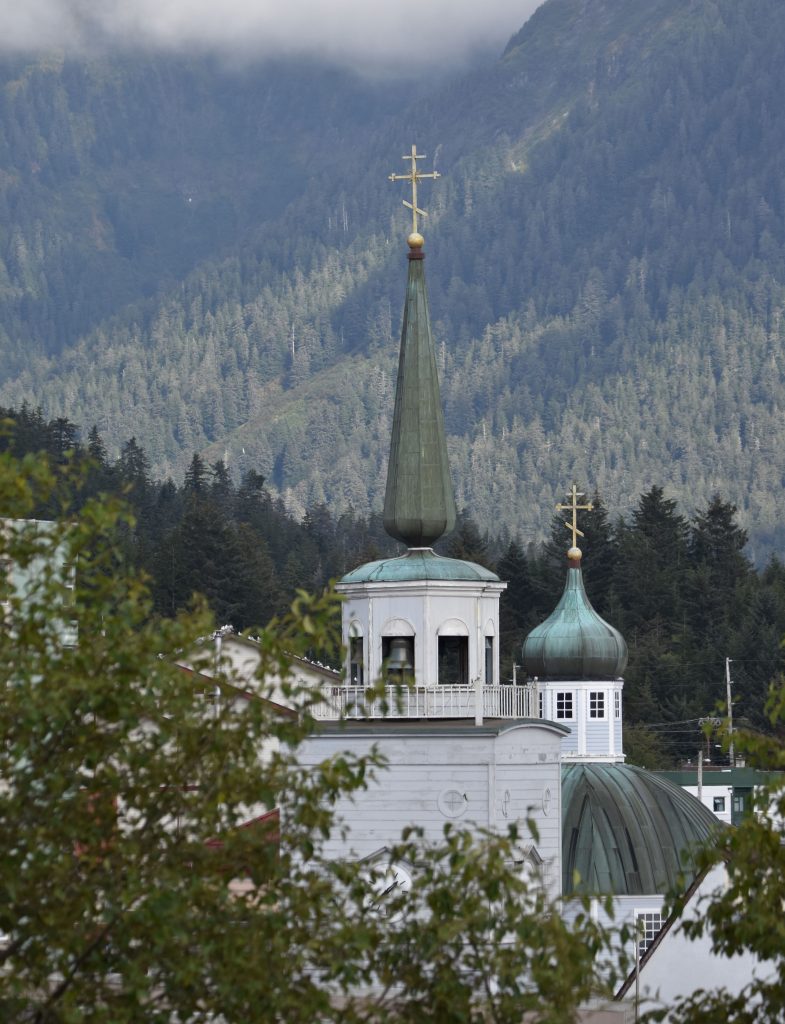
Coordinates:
[419,505]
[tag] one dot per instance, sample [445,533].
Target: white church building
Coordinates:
[460,744]
[421,631]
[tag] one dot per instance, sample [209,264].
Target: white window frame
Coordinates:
[597,706]
[652,922]
[565,696]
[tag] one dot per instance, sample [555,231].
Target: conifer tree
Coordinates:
[195,483]
[516,607]
[653,563]
[467,543]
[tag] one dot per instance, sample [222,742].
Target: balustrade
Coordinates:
[504,701]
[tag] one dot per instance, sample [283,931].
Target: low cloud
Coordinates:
[394,35]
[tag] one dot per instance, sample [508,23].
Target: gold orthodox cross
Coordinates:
[414,176]
[575,508]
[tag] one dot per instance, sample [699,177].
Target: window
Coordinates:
[719,805]
[564,705]
[356,660]
[617,704]
[541,700]
[489,661]
[454,660]
[596,704]
[649,924]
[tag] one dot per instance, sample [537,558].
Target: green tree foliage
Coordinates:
[134,886]
[516,610]
[467,543]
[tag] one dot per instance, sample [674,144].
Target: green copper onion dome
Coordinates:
[628,832]
[574,642]
[419,505]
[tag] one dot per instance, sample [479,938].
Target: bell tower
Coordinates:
[422,618]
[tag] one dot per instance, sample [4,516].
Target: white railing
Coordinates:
[505,701]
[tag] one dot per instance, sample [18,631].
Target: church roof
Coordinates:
[627,831]
[419,565]
[574,642]
[432,727]
[419,505]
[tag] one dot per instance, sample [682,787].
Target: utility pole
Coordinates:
[700,775]
[730,713]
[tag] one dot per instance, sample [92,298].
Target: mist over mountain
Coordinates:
[212,258]
[400,38]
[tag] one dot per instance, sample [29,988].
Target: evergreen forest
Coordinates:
[682,590]
[211,259]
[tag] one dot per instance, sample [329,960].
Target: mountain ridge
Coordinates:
[606,259]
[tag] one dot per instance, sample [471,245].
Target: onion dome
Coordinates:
[628,832]
[574,642]
[419,565]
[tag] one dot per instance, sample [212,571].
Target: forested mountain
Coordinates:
[213,260]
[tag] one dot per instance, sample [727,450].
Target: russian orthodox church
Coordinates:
[460,744]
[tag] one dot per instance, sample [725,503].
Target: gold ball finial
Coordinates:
[574,554]
[415,240]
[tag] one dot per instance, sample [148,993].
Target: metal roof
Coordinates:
[419,504]
[574,642]
[419,565]
[628,832]
[740,777]
[434,727]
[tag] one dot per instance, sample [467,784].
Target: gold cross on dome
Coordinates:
[414,176]
[575,508]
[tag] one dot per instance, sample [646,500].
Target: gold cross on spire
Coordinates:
[414,176]
[574,507]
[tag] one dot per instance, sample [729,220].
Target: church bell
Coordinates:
[399,663]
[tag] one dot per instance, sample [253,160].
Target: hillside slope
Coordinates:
[606,259]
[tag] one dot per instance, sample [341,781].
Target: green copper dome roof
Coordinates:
[419,565]
[574,642]
[419,505]
[628,832]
